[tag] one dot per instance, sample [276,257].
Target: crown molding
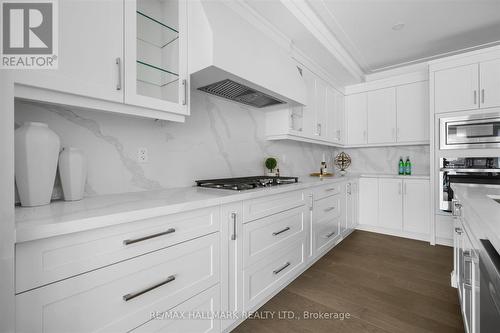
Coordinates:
[261,23]
[308,18]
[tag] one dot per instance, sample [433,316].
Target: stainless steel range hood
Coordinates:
[232,59]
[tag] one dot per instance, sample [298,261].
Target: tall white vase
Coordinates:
[36,154]
[73,173]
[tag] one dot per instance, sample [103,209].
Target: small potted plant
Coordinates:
[271,164]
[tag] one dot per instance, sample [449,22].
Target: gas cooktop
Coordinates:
[246,183]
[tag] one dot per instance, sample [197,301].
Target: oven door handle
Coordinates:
[469,170]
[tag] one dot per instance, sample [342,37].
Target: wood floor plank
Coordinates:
[386,284]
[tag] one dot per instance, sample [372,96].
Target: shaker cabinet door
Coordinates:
[391,203]
[456,89]
[416,206]
[90,52]
[382,115]
[356,113]
[490,84]
[412,102]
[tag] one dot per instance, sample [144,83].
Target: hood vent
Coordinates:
[238,92]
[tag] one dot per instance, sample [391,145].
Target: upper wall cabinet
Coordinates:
[394,115]
[467,87]
[90,51]
[356,114]
[456,89]
[156,54]
[412,105]
[130,58]
[320,121]
[381,106]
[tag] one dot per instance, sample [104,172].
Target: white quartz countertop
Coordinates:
[63,217]
[480,199]
[385,175]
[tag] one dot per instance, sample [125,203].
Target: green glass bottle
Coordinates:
[401,166]
[408,166]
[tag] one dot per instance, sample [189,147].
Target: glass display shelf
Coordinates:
[155,32]
[154,75]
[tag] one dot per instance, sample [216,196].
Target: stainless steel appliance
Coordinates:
[489,301]
[246,183]
[471,170]
[473,131]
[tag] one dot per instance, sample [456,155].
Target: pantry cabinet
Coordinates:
[381,110]
[467,87]
[90,52]
[357,117]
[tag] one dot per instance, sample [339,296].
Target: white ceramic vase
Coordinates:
[73,173]
[36,153]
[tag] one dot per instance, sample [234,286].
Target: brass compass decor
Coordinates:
[342,161]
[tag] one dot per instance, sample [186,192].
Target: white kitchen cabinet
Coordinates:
[456,89]
[351,206]
[121,297]
[412,104]
[321,109]
[156,54]
[356,114]
[390,203]
[368,201]
[335,115]
[309,110]
[231,261]
[416,206]
[489,82]
[90,52]
[381,110]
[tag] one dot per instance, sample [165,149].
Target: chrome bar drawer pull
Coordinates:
[331,234]
[330,189]
[277,271]
[458,231]
[329,209]
[281,231]
[233,217]
[132,241]
[118,63]
[131,296]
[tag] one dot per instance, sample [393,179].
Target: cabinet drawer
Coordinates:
[261,207]
[325,233]
[262,278]
[327,207]
[178,319]
[121,297]
[44,261]
[263,237]
[327,190]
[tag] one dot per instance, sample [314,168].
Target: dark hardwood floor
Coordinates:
[385,283]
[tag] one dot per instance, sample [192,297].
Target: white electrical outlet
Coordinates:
[142,155]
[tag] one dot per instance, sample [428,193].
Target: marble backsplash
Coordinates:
[219,139]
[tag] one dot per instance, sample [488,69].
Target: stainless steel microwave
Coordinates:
[473,131]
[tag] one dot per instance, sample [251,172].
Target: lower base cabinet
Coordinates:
[121,297]
[395,206]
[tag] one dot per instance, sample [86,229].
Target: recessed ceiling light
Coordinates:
[398,26]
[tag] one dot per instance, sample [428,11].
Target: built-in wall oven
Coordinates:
[472,131]
[471,170]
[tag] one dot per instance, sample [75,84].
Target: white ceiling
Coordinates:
[433,28]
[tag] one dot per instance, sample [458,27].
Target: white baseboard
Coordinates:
[397,233]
